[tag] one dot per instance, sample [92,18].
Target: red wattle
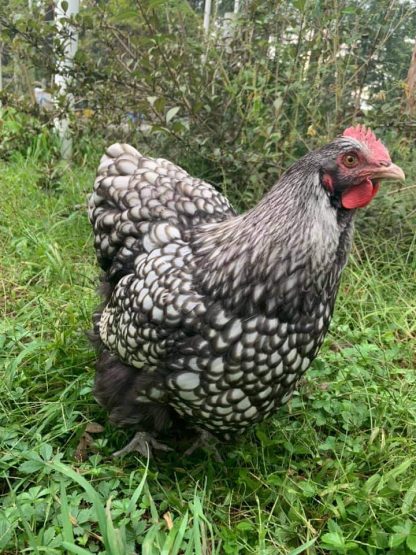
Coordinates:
[359,195]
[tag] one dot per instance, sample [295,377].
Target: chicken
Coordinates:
[210,318]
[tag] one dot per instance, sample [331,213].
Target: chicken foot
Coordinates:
[206,441]
[143,443]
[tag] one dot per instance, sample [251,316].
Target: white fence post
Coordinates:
[70,44]
[207,15]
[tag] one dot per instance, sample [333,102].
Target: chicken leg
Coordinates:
[206,441]
[143,443]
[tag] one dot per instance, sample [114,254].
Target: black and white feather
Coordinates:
[210,317]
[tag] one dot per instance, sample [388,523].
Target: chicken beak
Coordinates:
[389,172]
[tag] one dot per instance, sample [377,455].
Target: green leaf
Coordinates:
[29,467]
[398,470]
[46,451]
[371,483]
[397,539]
[350,10]
[124,16]
[408,499]
[299,4]
[411,542]
[333,539]
[6,531]
[172,113]
[160,104]
[245,526]
[72,548]
[48,536]
[302,547]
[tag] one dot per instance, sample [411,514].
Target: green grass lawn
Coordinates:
[334,471]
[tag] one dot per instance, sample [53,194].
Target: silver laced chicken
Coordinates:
[210,318]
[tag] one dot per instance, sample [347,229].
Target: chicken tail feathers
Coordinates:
[118,387]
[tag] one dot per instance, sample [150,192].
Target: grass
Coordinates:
[332,472]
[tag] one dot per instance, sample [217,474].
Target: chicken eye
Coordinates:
[350,160]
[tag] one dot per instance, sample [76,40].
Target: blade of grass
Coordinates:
[116,541]
[93,496]
[72,548]
[67,531]
[174,540]
[138,491]
[304,546]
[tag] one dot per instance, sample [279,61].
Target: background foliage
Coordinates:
[334,471]
[239,105]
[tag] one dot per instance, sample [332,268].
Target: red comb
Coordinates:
[367,137]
